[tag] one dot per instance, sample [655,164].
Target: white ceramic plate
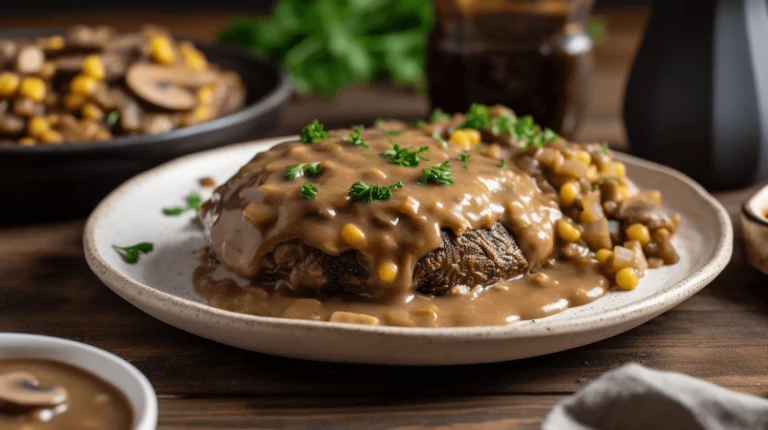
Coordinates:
[160,284]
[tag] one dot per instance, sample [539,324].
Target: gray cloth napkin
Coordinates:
[636,397]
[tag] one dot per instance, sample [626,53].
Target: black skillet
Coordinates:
[52,182]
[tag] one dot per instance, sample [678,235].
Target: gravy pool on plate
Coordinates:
[475,219]
[38,394]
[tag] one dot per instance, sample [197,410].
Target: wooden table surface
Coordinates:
[721,334]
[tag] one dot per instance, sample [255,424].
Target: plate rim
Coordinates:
[652,305]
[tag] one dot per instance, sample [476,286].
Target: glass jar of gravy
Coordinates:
[533,56]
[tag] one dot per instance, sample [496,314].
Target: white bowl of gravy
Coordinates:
[48,383]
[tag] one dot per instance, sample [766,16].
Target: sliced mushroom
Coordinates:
[167,87]
[85,38]
[27,107]
[23,389]
[11,125]
[130,117]
[156,123]
[30,60]
[69,64]
[7,52]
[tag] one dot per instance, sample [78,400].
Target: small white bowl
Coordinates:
[109,367]
[754,229]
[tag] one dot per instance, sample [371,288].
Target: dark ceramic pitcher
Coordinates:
[697,97]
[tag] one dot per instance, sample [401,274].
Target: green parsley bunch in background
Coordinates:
[327,45]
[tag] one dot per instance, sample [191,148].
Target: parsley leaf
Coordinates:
[439,174]
[379,122]
[603,150]
[419,123]
[356,137]
[368,193]
[131,254]
[404,156]
[439,115]
[390,133]
[504,123]
[308,191]
[476,117]
[112,117]
[503,164]
[296,170]
[464,157]
[194,201]
[313,132]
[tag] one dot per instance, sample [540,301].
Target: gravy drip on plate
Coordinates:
[555,288]
[50,395]
[259,208]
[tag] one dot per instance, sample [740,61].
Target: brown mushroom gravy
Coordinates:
[462,221]
[94,83]
[37,394]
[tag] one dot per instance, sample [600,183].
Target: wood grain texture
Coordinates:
[720,334]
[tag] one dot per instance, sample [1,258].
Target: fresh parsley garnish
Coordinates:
[112,117]
[308,191]
[443,142]
[504,123]
[603,150]
[503,164]
[404,156]
[391,133]
[313,132]
[356,137]
[464,157]
[476,117]
[131,254]
[193,204]
[296,170]
[379,122]
[595,187]
[439,174]
[419,123]
[368,193]
[523,130]
[439,115]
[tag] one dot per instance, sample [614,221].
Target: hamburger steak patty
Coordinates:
[478,257]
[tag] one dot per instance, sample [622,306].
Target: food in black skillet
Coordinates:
[94,83]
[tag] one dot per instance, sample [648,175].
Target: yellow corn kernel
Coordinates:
[37,126]
[474,136]
[53,118]
[194,59]
[567,231]
[73,101]
[27,141]
[619,169]
[639,233]
[83,84]
[93,67]
[51,136]
[102,135]
[569,192]
[9,83]
[624,191]
[387,272]
[32,88]
[54,43]
[353,318]
[627,279]
[353,235]
[592,174]
[584,157]
[203,113]
[162,50]
[91,111]
[205,94]
[603,255]
[461,138]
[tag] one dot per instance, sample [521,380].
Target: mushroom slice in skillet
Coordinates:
[167,87]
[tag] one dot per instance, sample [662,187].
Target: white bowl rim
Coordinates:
[574,324]
[148,418]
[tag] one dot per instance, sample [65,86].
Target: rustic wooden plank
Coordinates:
[371,413]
